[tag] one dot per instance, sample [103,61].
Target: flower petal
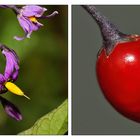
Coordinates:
[2,79]
[19,38]
[12,64]
[54,13]
[15,75]
[25,23]
[33,10]
[11,109]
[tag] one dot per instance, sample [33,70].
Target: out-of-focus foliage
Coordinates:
[54,123]
[43,67]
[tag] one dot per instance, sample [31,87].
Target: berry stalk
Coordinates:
[110,33]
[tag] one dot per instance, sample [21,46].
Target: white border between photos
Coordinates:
[69,3]
[81,137]
[69,71]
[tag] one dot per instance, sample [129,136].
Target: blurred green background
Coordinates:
[43,67]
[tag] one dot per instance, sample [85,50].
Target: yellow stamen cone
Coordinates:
[33,19]
[15,89]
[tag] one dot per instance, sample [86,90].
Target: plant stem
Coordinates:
[13,7]
[109,31]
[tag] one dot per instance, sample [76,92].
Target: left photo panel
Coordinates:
[34,70]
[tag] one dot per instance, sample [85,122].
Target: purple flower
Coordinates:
[28,19]
[6,81]
[12,67]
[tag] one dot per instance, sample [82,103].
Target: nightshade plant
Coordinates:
[55,122]
[28,18]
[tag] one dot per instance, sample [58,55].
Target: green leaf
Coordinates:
[54,123]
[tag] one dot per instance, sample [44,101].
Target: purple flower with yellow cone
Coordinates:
[28,19]
[7,81]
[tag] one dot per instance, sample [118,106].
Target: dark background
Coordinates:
[43,67]
[91,113]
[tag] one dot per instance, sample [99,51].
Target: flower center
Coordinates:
[33,19]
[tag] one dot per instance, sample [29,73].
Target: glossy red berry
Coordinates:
[118,66]
[119,77]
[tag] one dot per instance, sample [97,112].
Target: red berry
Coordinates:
[118,66]
[119,77]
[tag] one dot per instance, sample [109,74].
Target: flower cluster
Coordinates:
[28,19]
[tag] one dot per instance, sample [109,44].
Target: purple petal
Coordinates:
[12,64]
[11,109]
[2,79]
[1,88]
[27,35]
[25,23]
[50,15]
[36,26]
[33,10]
[15,75]
[19,38]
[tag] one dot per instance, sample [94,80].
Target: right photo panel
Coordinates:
[105,70]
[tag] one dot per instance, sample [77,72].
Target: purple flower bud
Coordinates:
[11,109]
[28,19]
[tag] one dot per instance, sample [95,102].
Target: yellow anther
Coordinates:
[15,89]
[33,19]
